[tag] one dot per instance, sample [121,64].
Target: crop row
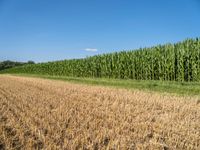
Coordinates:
[174,62]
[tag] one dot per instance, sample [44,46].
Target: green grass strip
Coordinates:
[180,88]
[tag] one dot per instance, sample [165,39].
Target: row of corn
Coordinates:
[174,62]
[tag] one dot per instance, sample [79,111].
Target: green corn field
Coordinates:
[172,62]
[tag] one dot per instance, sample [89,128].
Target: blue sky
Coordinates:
[47,30]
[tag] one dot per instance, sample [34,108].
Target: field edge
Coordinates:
[170,87]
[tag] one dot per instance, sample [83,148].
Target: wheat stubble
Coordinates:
[46,114]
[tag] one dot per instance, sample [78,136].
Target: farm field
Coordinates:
[46,114]
[170,62]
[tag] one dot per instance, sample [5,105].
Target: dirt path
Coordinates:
[45,114]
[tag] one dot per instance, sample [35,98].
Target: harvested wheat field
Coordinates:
[46,114]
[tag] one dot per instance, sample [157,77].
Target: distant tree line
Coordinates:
[10,64]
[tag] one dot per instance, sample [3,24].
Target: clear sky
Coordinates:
[47,30]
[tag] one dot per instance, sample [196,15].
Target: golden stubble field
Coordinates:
[45,114]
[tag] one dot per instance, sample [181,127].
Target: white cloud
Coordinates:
[91,49]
